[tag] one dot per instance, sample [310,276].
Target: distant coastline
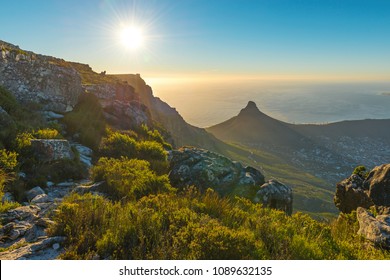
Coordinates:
[385,93]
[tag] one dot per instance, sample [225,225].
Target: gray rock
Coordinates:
[8,197]
[378,184]
[356,191]
[47,243]
[88,189]
[65,184]
[204,169]
[85,153]
[33,78]
[48,150]
[56,246]
[41,198]
[351,194]
[34,192]
[376,230]
[275,195]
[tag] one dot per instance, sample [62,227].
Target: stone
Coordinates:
[56,246]
[356,191]
[88,189]
[378,184]
[34,192]
[7,197]
[44,80]
[351,194]
[14,234]
[41,198]
[85,153]
[48,150]
[65,184]
[276,195]
[204,169]
[44,222]
[374,229]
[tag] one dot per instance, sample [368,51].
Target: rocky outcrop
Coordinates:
[48,150]
[351,194]
[39,79]
[24,236]
[356,191]
[276,195]
[375,229]
[204,169]
[378,184]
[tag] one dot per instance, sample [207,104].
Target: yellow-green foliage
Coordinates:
[8,160]
[23,139]
[47,133]
[191,225]
[118,144]
[5,206]
[129,178]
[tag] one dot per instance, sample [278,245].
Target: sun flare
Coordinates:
[132,37]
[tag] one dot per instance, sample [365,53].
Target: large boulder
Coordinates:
[275,195]
[351,194]
[375,229]
[48,150]
[357,191]
[44,80]
[378,184]
[204,169]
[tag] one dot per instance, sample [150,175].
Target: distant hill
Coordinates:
[330,151]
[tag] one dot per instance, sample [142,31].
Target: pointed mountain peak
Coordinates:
[251,108]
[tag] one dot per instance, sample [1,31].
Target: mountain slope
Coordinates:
[329,151]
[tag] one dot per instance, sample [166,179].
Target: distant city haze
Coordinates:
[205,103]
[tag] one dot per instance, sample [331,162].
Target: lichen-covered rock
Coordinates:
[40,79]
[204,169]
[378,184]
[47,150]
[275,195]
[356,191]
[351,194]
[375,229]
[31,194]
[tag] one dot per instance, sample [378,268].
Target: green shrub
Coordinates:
[151,150]
[8,160]
[129,178]
[117,144]
[189,225]
[87,120]
[361,171]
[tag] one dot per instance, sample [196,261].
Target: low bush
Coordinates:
[191,225]
[129,179]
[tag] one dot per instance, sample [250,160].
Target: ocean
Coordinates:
[205,103]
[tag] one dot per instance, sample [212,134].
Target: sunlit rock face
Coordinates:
[41,80]
[276,195]
[204,169]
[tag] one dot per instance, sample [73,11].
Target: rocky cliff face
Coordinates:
[181,132]
[39,79]
[356,191]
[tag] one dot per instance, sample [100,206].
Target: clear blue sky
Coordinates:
[348,38]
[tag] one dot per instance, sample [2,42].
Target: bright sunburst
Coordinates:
[131,37]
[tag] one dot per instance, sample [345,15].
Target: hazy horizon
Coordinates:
[204,103]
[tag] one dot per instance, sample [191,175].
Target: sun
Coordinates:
[132,37]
